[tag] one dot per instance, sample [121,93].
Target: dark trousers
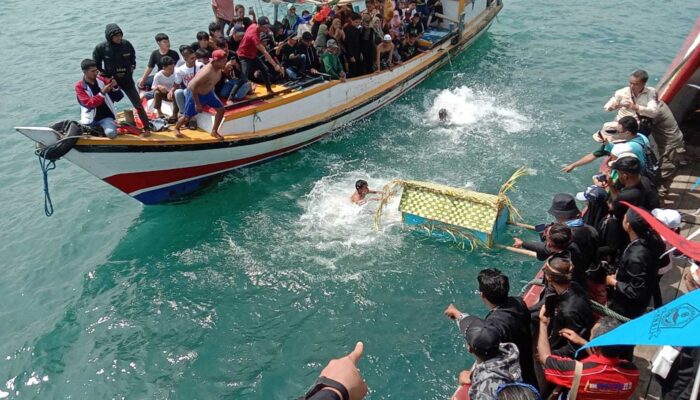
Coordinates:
[368,60]
[247,65]
[129,88]
[158,97]
[355,68]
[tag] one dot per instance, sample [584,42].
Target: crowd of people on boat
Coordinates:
[602,264]
[336,43]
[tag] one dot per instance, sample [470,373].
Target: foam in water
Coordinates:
[333,222]
[477,109]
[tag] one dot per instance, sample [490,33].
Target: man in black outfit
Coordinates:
[584,236]
[116,58]
[633,187]
[509,317]
[368,44]
[352,46]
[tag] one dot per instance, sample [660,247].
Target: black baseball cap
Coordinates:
[483,340]
[627,164]
[264,21]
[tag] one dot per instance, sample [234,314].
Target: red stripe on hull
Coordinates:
[135,181]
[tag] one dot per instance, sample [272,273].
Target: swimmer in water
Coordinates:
[362,190]
[442,114]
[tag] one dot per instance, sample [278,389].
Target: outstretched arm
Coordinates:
[587,159]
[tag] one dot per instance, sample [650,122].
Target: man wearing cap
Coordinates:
[632,186]
[200,92]
[385,51]
[234,40]
[585,237]
[508,316]
[248,54]
[496,363]
[625,132]
[331,61]
[306,49]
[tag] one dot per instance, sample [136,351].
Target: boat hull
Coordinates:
[155,172]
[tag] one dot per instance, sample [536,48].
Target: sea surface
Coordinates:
[247,289]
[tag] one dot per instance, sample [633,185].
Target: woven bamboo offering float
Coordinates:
[470,219]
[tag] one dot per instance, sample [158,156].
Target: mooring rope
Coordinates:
[46,166]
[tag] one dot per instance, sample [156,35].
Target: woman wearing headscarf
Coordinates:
[377,26]
[633,283]
[321,39]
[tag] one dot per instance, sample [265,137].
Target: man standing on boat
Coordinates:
[116,58]
[248,54]
[200,92]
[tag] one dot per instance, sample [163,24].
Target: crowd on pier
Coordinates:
[602,265]
[336,42]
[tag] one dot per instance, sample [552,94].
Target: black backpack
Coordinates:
[652,169]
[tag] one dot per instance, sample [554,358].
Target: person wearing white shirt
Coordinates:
[183,75]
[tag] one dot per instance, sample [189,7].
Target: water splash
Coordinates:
[477,110]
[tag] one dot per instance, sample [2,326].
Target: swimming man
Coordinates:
[200,92]
[362,190]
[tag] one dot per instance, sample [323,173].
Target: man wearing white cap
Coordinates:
[384,54]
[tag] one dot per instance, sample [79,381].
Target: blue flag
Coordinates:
[675,324]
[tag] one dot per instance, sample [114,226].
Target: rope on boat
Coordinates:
[46,166]
[597,307]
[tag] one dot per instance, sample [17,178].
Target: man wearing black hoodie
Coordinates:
[116,58]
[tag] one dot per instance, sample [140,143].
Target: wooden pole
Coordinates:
[516,250]
[521,225]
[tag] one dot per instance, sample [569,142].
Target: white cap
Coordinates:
[670,218]
[621,148]
[694,272]
[387,38]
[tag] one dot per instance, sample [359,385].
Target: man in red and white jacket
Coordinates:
[96,96]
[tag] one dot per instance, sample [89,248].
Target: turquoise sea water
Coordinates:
[246,290]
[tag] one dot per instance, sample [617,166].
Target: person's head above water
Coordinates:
[442,114]
[361,185]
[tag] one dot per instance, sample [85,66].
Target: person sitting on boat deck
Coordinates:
[442,115]
[164,87]
[116,58]
[631,186]
[229,79]
[496,364]
[636,100]
[200,92]
[625,132]
[215,32]
[183,76]
[605,375]
[361,191]
[202,43]
[248,54]
[353,46]
[292,62]
[331,61]
[222,43]
[305,48]
[409,47]
[416,26]
[224,13]
[633,283]
[566,304]
[96,95]
[202,56]
[235,39]
[508,316]
[384,55]
[585,237]
[156,60]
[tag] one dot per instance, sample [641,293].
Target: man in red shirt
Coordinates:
[248,55]
[604,374]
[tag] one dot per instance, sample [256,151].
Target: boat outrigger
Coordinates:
[163,168]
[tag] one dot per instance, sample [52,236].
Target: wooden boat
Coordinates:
[163,168]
